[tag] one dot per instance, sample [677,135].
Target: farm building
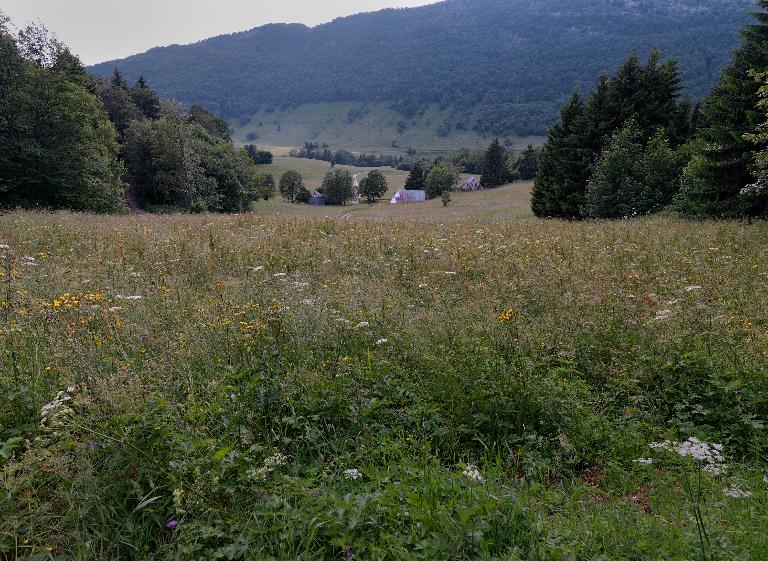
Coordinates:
[409,196]
[472,184]
[317,199]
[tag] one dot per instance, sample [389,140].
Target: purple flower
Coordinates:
[171,523]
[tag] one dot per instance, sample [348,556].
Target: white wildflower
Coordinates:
[257,269]
[280,275]
[352,474]
[382,341]
[450,272]
[693,287]
[471,472]
[128,298]
[423,286]
[51,414]
[362,325]
[268,466]
[308,302]
[3,246]
[644,461]
[663,314]
[711,455]
[115,309]
[736,493]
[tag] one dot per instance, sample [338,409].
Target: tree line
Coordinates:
[71,140]
[636,146]
[315,151]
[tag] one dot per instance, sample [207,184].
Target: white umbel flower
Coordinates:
[471,472]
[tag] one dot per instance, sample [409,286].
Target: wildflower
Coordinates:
[128,298]
[171,524]
[3,246]
[450,272]
[52,413]
[307,302]
[257,269]
[471,472]
[382,341]
[352,474]
[362,325]
[279,275]
[507,316]
[644,461]
[423,286]
[662,315]
[736,493]
[268,466]
[711,455]
[692,288]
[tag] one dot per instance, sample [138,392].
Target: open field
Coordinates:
[509,201]
[362,127]
[256,387]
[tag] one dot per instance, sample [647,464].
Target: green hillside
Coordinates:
[496,67]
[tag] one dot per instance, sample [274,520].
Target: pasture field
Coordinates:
[449,388]
[364,127]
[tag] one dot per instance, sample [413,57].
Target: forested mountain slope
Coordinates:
[506,64]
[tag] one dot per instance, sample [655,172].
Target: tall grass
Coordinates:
[223,376]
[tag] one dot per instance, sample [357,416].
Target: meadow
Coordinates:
[364,127]
[454,386]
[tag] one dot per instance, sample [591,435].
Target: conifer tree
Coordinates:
[565,165]
[716,175]
[494,172]
[416,176]
[118,81]
[146,99]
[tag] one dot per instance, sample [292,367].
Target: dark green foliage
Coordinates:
[494,165]
[146,99]
[314,151]
[172,162]
[267,188]
[57,147]
[724,164]
[565,165]
[259,157]
[290,184]
[417,176]
[373,186]
[441,178]
[120,106]
[337,187]
[632,178]
[303,195]
[468,161]
[647,94]
[527,163]
[212,123]
[439,54]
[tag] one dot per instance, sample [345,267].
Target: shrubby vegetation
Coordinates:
[456,55]
[314,151]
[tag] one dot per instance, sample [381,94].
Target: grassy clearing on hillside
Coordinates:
[250,387]
[363,128]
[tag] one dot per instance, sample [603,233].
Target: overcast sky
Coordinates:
[99,30]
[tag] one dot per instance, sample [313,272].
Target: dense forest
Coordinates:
[69,139]
[635,146]
[504,66]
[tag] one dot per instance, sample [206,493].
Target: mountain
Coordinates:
[493,66]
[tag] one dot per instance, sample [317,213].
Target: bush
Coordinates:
[441,178]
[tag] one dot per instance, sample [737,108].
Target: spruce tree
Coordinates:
[118,81]
[720,170]
[494,172]
[565,165]
[416,176]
